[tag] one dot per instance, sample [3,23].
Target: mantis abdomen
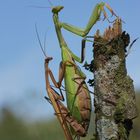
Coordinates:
[77,93]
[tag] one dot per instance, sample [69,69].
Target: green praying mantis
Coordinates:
[77,93]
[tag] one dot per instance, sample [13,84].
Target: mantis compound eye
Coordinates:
[48,59]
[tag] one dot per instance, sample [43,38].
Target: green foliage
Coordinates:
[12,129]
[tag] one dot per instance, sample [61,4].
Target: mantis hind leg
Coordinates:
[82,58]
[48,99]
[80,84]
[85,39]
[83,45]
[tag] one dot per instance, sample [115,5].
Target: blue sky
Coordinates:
[22,82]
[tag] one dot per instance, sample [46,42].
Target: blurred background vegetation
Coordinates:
[13,127]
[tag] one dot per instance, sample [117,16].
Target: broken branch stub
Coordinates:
[115,103]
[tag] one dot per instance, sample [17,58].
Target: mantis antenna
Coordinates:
[43,49]
[45,42]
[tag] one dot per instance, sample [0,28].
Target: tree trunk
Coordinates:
[114,100]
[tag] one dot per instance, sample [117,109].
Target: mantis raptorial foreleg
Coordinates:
[92,20]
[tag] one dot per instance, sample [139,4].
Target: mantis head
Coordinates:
[57,9]
[48,59]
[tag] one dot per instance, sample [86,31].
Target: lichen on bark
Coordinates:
[114,100]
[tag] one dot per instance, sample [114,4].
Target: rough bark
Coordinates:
[114,100]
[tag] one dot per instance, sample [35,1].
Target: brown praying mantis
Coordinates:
[65,118]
